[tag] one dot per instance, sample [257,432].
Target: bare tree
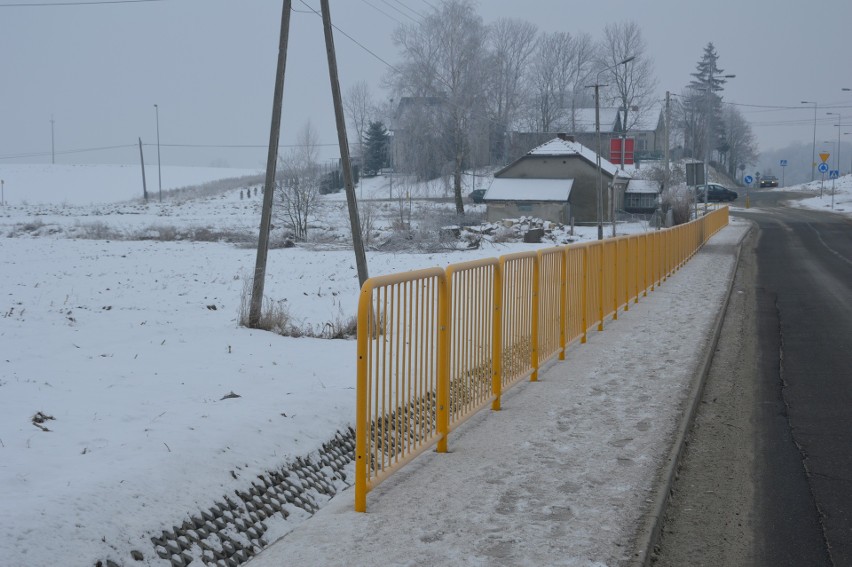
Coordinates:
[583,62]
[512,43]
[631,85]
[560,68]
[739,145]
[359,108]
[548,77]
[297,185]
[443,57]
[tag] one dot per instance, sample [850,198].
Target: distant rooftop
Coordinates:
[560,147]
[526,189]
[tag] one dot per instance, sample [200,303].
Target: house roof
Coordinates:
[584,118]
[642,186]
[526,189]
[560,147]
[646,121]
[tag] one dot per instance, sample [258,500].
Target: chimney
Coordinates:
[565,137]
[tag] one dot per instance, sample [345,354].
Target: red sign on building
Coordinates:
[615,155]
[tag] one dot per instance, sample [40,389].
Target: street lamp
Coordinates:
[839,126]
[159,171]
[813,151]
[597,87]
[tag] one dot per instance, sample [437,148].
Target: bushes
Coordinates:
[275,317]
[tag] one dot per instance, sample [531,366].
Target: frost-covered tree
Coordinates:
[376,148]
[632,85]
[297,183]
[359,108]
[703,103]
[512,43]
[739,144]
[444,57]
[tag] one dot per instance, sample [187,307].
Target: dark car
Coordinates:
[476,195]
[769,181]
[715,193]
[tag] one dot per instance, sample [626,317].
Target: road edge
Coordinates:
[649,531]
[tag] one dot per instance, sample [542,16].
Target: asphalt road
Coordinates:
[767,476]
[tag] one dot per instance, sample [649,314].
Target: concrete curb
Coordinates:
[649,531]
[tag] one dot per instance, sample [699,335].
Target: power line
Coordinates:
[352,39]
[65,152]
[376,8]
[392,7]
[409,8]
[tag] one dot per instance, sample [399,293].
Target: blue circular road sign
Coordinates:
[748,179]
[823,167]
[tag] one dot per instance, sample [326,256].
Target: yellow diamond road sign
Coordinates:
[824,156]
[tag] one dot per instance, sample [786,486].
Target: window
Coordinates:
[640,201]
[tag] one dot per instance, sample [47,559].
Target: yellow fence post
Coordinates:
[601,263]
[563,302]
[534,336]
[443,417]
[585,292]
[497,338]
[365,324]
[615,280]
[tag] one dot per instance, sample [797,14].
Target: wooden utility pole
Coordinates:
[349,185]
[142,160]
[666,141]
[271,163]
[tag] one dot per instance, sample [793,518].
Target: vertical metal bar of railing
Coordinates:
[497,337]
[585,292]
[534,323]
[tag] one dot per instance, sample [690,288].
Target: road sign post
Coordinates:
[748,180]
[823,169]
[783,168]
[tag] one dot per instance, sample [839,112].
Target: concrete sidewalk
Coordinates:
[570,472]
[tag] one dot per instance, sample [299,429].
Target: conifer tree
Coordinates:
[376,148]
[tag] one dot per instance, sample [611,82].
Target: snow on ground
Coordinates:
[119,333]
[829,195]
[129,394]
[85,184]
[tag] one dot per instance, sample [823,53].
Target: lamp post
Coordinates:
[159,171]
[813,151]
[2,194]
[597,87]
[839,126]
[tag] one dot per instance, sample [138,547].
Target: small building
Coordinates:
[642,196]
[556,181]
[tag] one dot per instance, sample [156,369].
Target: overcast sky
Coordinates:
[99,68]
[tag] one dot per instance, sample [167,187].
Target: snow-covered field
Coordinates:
[129,394]
[121,350]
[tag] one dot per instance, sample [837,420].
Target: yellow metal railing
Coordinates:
[436,346]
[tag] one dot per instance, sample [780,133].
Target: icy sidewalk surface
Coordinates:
[565,472]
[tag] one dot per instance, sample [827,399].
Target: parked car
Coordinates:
[769,181]
[476,195]
[715,193]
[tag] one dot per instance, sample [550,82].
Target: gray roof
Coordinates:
[527,189]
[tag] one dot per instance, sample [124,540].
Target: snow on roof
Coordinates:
[642,186]
[560,147]
[584,118]
[644,122]
[526,189]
